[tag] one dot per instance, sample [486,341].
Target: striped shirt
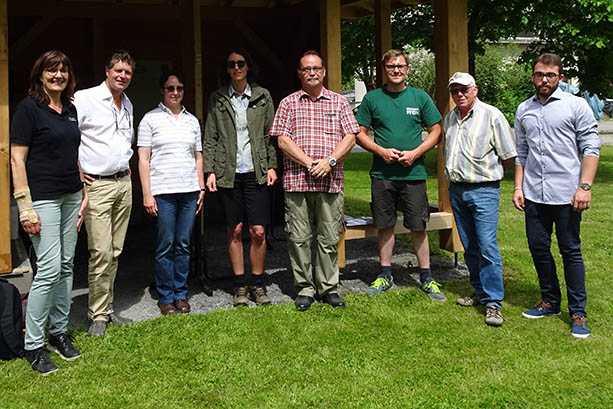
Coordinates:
[174,141]
[476,145]
[316,126]
[240,103]
[551,140]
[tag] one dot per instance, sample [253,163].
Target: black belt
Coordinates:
[117,175]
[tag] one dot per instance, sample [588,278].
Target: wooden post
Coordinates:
[451,50]
[330,29]
[5,190]
[383,34]
[198,91]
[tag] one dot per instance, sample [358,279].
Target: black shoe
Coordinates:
[334,299]
[62,345]
[303,302]
[40,361]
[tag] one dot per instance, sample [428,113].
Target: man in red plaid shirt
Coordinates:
[316,130]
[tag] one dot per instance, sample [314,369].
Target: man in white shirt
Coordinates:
[105,117]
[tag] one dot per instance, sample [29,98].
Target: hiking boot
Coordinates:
[579,326]
[62,345]
[260,296]
[379,285]
[493,317]
[240,296]
[39,361]
[434,292]
[97,328]
[468,301]
[540,310]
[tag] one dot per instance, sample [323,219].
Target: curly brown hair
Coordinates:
[49,61]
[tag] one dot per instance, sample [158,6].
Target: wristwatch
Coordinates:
[585,186]
[331,161]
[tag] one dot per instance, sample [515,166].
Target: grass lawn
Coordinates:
[398,350]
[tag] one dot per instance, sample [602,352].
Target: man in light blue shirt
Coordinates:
[557,158]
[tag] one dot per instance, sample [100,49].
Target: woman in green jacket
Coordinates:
[240,161]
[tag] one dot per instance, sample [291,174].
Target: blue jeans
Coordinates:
[175,221]
[475,208]
[540,219]
[49,300]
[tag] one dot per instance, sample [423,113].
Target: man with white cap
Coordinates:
[478,142]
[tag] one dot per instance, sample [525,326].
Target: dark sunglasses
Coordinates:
[172,88]
[240,64]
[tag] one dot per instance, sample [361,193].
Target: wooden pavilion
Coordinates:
[191,36]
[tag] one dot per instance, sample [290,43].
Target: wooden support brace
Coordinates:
[5,190]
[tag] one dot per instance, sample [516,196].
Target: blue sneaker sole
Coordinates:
[580,336]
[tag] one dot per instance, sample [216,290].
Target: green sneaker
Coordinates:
[434,292]
[379,285]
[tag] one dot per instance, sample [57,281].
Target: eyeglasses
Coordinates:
[316,70]
[392,67]
[459,90]
[172,88]
[240,64]
[540,75]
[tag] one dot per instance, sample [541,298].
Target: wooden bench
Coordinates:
[360,228]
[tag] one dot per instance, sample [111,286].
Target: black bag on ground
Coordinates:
[11,322]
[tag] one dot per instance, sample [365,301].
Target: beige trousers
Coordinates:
[106,220]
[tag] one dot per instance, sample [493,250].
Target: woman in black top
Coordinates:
[45,141]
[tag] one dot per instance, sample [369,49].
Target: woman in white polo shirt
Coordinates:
[170,166]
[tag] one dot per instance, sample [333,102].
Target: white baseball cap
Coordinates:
[462,78]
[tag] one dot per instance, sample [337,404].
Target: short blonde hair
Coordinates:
[393,53]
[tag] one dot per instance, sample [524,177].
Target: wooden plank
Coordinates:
[115,11]
[330,29]
[383,34]
[439,221]
[451,50]
[5,190]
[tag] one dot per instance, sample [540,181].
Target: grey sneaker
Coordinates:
[240,296]
[260,296]
[97,328]
[493,317]
[379,285]
[117,320]
[432,288]
[468,301]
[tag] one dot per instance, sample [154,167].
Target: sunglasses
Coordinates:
[240,64]
[462,90]
[172,88]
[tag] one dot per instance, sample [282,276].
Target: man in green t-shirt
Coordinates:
[398,114]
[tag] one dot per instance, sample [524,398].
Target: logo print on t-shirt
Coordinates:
[413,111]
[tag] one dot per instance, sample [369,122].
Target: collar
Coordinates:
[556,94]
[232,91]
[324,94]
[470,111]
[164,108]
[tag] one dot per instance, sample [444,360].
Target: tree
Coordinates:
[580,31]
[410,26]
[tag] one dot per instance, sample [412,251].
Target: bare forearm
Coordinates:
[432,139]
[366,142]
[143,170]
[519,177]
[589,165]
[200,169]
[343,148]
[293,151]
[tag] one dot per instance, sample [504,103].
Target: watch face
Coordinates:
[332,161]
[585,186]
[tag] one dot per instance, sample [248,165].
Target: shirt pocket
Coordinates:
[331,122]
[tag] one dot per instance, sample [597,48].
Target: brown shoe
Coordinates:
[167,309]
[183,306]
[260,296]
[240,296]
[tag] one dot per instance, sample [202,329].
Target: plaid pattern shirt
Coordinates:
[316,126]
